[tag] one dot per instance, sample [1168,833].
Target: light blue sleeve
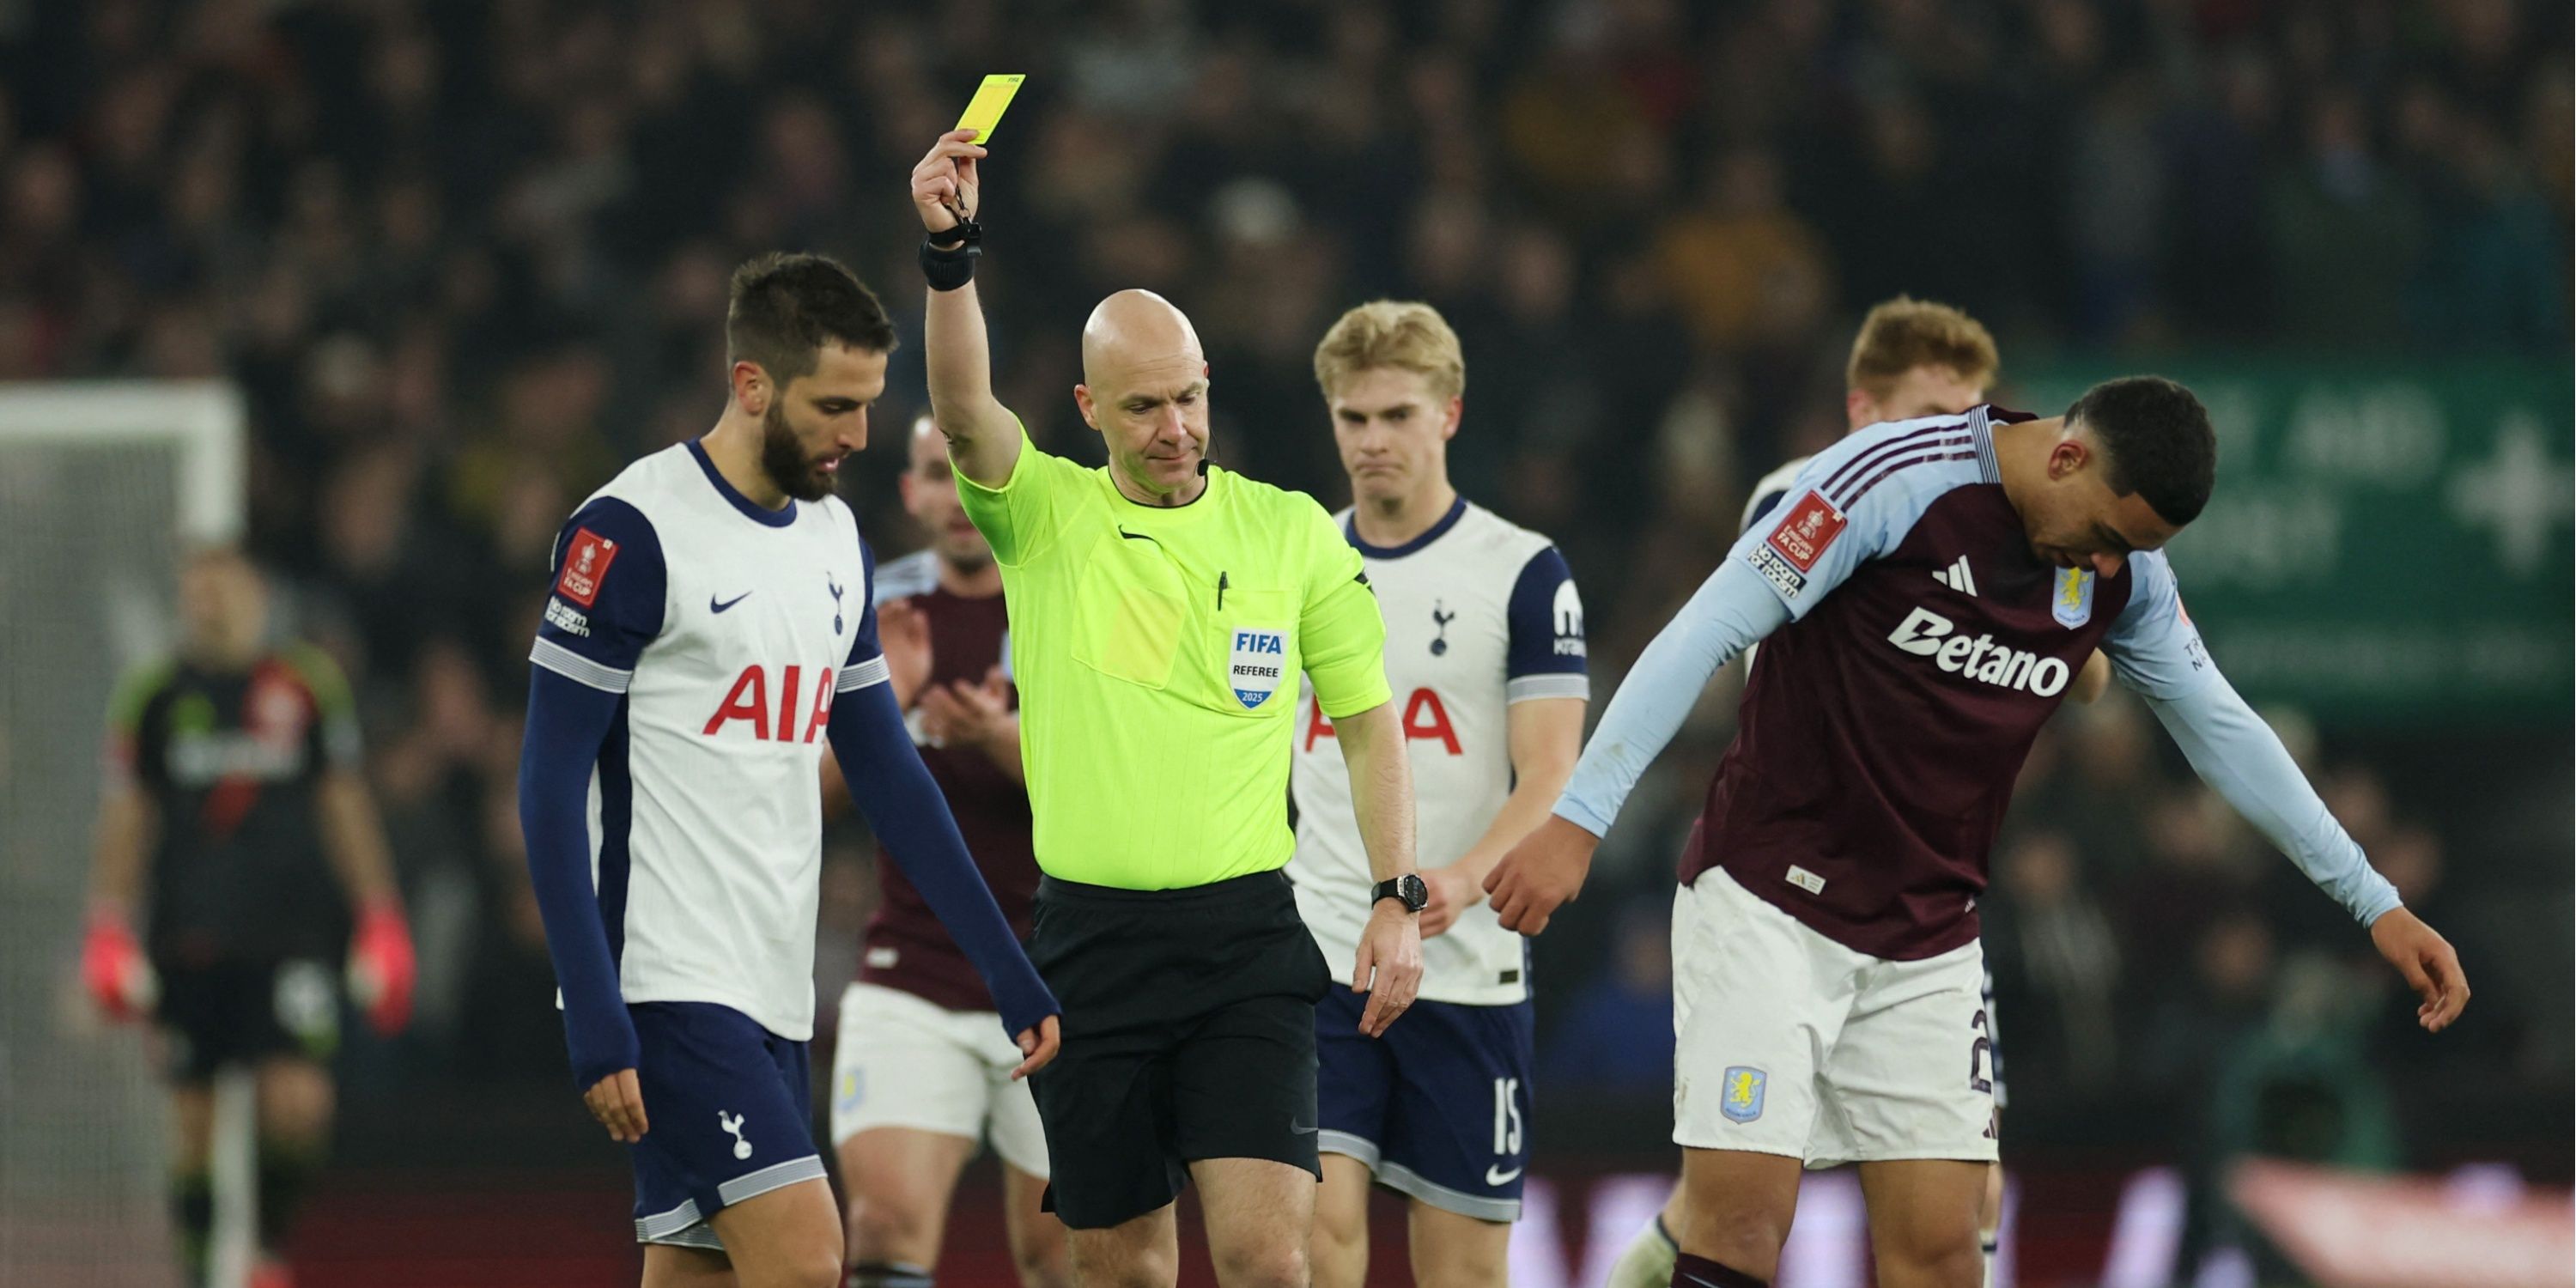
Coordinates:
[1731,611]
[2153,646]
[2236,753]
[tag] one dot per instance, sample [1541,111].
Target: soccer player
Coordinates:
[238,825]
[1161,613]
[921,1069]
[1826,962]
[1485,651]
[709,630]
[1913,358]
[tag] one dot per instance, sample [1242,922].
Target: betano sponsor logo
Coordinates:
[1925,633]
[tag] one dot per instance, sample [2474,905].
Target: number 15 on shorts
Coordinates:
[1507,1118]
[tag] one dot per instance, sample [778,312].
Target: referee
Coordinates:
[1161,611]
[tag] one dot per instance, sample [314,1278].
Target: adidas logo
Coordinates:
[1957,577]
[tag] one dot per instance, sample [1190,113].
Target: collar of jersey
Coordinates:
[1351,529]
[1131,510]
[752,510]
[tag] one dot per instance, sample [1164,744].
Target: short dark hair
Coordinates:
[2158,440]
[786,307]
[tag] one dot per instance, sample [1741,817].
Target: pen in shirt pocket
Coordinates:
[1220,592]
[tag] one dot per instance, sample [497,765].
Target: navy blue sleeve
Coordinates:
[606,602]
[568,719]
[905,809]
[1545,655]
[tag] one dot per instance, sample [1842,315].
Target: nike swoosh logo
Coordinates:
[1497,1176]
[1296,1130]
[714,607]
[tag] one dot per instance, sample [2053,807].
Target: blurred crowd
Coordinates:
[468,257]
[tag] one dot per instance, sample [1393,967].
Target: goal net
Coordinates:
[102,487]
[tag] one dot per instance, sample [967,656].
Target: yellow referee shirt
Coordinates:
[1157,652]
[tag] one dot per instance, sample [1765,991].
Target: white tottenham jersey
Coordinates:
[1480,614]
[729,628]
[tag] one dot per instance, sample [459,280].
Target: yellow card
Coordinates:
[984,111]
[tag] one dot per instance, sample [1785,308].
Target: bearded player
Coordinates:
[1913,358]
[709,630]
[1484,648]
[1827,966]
[921,1069]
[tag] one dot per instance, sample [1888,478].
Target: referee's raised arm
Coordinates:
[983,436]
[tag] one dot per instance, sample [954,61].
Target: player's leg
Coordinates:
[1259,1215]
[1990,1220]
[1037,1237]
[789,1237]
[296,1099]
[1759,1003]
[668,1265]
[1912,1102]
[1923,1221]
[909,1100]
[1648,1260]
[1457,1142]
[900,1180]
[1354,1082]
[192,1192]
[1139,1252]
[1454,1251]
[1737,1218]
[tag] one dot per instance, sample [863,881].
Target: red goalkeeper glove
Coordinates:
[119,978]
[381,968]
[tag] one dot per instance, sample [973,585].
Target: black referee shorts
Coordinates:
[1189,1033]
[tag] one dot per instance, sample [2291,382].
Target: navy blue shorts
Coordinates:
[1438,1108]
[727,1110]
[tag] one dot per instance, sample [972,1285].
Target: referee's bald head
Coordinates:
[1136,330]
[1144,387]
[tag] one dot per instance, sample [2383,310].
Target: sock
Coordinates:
[286,1174]
[192,1211]
[1648,1262]
[1700,1272]
[888,1274]
[1987,1242]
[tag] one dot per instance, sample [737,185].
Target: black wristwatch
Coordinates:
[1408,888]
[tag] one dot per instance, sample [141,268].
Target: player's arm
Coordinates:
[1343,651]
[381,964]
[2156,651]
[1786,563]
[906,810]
[1547,689]
[113,966]
[607,604]
[983,435]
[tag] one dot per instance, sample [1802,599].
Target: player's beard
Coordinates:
[784,458]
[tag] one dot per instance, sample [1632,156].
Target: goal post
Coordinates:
[104,486]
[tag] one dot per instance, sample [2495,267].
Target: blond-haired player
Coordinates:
[1485,655]
[1912,358]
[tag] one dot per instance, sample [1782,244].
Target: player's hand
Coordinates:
[944,186]
[382,968]
[1039,1045]
[617,1101]
[120,979]
[1453,892]
[2429,964]
[1541,874]
[1389,968]
[904,633]
[973,715]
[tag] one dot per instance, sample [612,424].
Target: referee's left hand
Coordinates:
[1389,968]
[1038,1045]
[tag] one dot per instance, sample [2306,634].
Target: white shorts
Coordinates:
[900,1061]
[1789,1043]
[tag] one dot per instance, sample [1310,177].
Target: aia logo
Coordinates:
[1425,720]
[748,701]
